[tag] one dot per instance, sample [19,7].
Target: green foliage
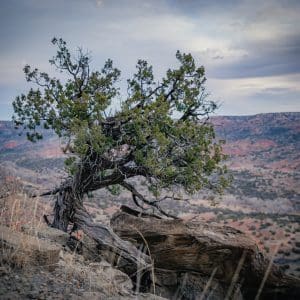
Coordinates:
[163,127]
[82,100]
[114,189]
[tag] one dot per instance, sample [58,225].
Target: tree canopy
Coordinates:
[160,131]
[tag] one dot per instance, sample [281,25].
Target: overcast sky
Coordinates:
[250,49]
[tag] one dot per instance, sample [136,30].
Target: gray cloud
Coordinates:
[265,58]
[233,39]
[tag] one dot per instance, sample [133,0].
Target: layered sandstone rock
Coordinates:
[194,260]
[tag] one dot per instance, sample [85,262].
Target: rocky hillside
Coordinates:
[263,153]
[263,200]
[263,156]
[270,126]
[267,140]
[15,146]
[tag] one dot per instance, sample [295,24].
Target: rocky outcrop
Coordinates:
[193,260]
[75,273]
[189,260]
[47,233]
[22,249]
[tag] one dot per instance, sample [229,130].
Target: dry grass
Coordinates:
[152,264]
[18,211]
[17,208]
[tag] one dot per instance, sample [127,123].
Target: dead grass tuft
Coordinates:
[18,211]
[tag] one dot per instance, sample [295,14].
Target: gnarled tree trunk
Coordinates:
[64,209]
[69,208]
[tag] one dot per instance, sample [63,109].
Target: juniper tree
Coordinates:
[160,132]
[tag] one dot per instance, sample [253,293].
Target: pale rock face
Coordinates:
[193,258]
[71,276]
